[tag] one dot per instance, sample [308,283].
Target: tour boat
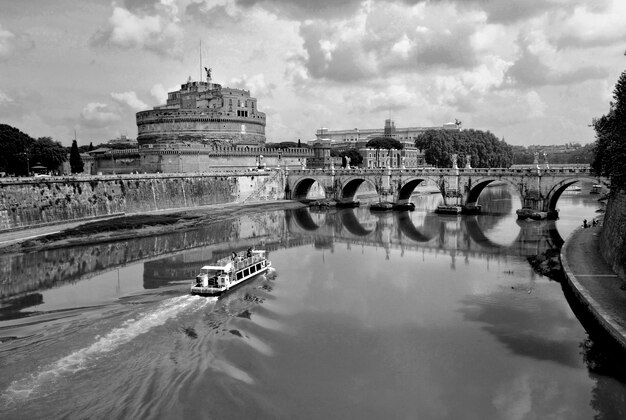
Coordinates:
[448,209]
[229,272]
[596,189]
[528,213]
[574,188]
[381,206]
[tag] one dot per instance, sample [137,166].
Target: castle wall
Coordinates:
[168,126]
[196,159]
[31,202]
[613,236]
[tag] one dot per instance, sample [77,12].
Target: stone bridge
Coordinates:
[539,188]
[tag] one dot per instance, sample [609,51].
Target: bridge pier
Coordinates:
[536,207]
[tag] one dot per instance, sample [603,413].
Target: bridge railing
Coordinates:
[447,171]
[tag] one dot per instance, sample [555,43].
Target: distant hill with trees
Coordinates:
[580,155]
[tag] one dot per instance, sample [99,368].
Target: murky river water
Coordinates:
[409,315]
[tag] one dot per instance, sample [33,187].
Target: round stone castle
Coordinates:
[203,113]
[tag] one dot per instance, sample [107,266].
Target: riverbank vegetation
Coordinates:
[610,146]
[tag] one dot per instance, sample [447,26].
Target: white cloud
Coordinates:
[159,93]
[589,27]
[256,84]
[402,47]
[96,114]
[4,99]
[158,30]
[6,40]
[130,100]
[11,43]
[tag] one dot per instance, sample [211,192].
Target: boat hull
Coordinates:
[217,291]
[453,210]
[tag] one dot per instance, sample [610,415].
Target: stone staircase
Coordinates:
[271,188]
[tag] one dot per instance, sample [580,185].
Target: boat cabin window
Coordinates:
[211,272]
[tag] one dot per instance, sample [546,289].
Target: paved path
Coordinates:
[594,283]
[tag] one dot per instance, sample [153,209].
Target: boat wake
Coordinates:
[80,359]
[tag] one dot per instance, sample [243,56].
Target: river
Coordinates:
[369,316]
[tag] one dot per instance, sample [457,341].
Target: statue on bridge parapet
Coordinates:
[455,158]
[545,158]
[468,161]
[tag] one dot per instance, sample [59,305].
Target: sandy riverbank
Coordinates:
[139,225]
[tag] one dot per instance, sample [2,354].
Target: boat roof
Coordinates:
[224,267]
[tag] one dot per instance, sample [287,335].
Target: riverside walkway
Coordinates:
[594,283]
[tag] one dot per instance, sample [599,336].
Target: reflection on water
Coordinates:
[371,315]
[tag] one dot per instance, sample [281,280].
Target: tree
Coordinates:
[384,143]
[355,157]
[76,162]
[15,150]
[485,149]
[90,147]
[48,153]
[610,146]
[284,145]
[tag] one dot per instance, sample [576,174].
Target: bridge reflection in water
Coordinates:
[28,275]
[404,230]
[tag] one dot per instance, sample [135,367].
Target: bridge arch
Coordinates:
[557,190]
[406,188]
[302,186]
[351,185]
[477,187]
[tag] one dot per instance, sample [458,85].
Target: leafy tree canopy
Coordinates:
[285,145]
[610,146]
[486,150]
[355,157]
[384,143]
[48,153]
[15,150]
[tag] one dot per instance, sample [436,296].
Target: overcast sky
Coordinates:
[531,71]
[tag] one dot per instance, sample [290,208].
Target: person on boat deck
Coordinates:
[249,252]
[234,256]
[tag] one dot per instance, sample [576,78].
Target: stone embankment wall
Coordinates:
[613,236]
[37,201]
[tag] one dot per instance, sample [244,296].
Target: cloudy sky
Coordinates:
[529,71]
